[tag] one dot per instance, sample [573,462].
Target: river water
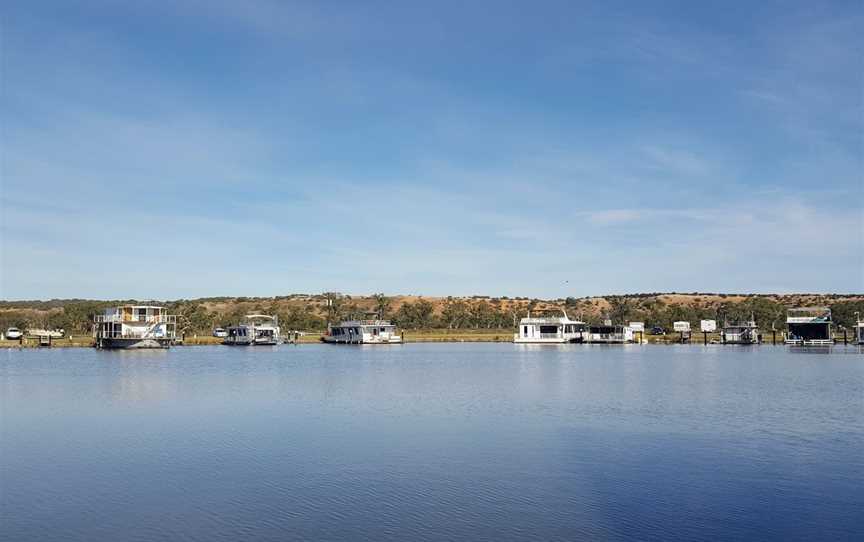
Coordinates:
[432,442]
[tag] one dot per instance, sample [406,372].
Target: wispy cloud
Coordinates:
[437,149]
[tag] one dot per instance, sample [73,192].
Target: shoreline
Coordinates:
[422,336]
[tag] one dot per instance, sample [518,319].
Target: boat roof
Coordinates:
[139,307]
[355,323]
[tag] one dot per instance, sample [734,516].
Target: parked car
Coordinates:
[220,332]
[657,330]
[13,333]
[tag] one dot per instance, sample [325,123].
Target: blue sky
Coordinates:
[184,149]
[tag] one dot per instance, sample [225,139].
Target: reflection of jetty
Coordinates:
[549,328]
[134,326]
[809,326]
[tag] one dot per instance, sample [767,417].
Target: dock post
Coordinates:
[704,338]
[844,336]
[774,336]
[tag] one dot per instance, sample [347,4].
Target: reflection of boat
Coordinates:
[363,332]
[134,326]
[550,328]
[256,329]
[741,333]
[809,326]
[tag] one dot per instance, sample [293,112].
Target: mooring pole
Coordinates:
[774,336]
[844,336]
[704,338]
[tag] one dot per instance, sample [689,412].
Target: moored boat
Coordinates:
[362,332]
[550,327]
[740,333]
[859,331]
[134,326]
[809,326]
[608,333]
[254,330]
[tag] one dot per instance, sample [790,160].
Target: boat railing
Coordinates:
[135,318]
[549,320]
[132,334]
[550,335]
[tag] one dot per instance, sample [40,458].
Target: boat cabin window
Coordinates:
[810,332]
[142,314]
[548,329]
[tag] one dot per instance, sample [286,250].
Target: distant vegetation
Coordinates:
[312,312]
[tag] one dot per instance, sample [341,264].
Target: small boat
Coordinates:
[135,326]
[740,333]
[809,326]
[550,327]
[607,333]
[254,330]
[362,332]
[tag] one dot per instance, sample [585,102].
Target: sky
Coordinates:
[182,149]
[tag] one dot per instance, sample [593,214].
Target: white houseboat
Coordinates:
[362,332]
[134,326]
[607,333]
[809,326]
[254,330]
[548,327]
[740,333]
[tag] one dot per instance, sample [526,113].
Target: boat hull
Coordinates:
[250,343]
[810,342]
[132,343]
[335,340]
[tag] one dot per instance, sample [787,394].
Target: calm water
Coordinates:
[432,442]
